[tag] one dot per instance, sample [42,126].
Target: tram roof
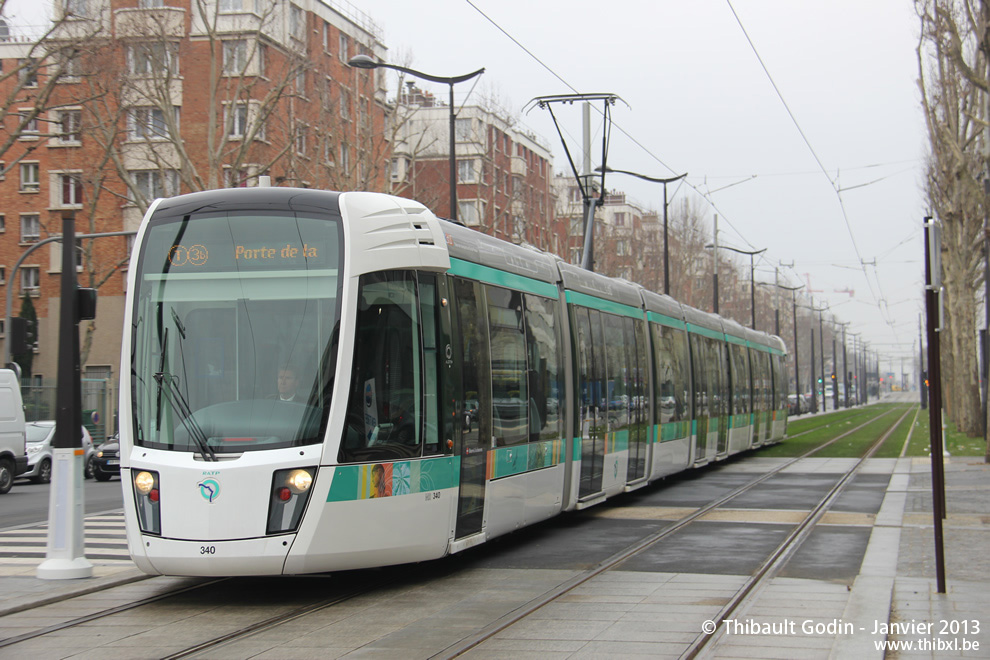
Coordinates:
[473,246]
[600,286]
[662,304]
[259,199]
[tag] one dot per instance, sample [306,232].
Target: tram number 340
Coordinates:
[207,549]
[435,495]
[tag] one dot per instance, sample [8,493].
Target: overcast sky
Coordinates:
[700,102]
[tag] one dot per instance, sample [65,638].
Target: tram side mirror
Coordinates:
[86,304]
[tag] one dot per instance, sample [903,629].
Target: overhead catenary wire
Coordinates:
[875,289]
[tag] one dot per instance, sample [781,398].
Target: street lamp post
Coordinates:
[666,253]
[752,278]
[367,62]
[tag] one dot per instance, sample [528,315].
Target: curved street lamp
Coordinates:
[666,254]
[367,62]
[752,280]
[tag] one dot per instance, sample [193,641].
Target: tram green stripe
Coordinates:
[501,278]
[705,332]
[522,458]
[663,319]
[737,340]
[675,430]
[583,299]
[354,482]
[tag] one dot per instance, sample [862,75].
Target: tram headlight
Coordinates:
[289,495]
[299,481]
[144,482]
[147,501]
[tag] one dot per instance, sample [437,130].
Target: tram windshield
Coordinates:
[235,331]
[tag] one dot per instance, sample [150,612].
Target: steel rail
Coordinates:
[784,551]
[532,606]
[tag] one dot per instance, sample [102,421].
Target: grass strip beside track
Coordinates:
[958,444]
[837,423]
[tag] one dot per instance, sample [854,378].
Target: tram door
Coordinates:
[474,439]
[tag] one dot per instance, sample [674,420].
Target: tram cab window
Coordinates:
[219,312]
[385,412]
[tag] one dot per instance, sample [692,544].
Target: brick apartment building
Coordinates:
[504,173]
[628,239]
[128,100]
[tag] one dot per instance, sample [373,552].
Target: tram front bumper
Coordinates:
[261,556]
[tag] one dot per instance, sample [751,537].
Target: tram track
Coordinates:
[633,550]
[298,611]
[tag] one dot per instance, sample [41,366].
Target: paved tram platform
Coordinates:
[862,587]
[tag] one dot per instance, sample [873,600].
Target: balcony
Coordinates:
[519,166]
[158,22]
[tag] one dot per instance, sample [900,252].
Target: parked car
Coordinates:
[13,455]
[40,436]
[798,404]
[106,463]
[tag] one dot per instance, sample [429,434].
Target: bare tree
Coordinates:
[952,64]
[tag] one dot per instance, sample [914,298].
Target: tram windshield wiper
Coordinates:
[180,405]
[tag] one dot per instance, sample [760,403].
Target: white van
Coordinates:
[13,453]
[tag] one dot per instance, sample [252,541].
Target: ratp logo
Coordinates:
[209,489]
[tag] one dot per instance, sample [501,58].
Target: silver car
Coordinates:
[39,450]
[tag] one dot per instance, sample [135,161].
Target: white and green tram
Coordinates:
[322,381]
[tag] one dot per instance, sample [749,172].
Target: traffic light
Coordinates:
[833,376]
[819,381]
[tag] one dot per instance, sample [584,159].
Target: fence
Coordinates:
[99,405]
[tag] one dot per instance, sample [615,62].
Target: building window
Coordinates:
[345,104]
[153,59]
[299,82]
[29,124]
[297,23]
[152,184]
[620,219]
[622,248]
[71,66]
[30,228]
[466,172]
[470,212]
[71,186]
[3,279]
[69,126]
[345,158]
[29,177]
[30,279]
[462,130]
[326,36]
[329,151]
[238,178]
[150,4]
[28,72]
[76,8]
[344,47]
[234,56]
[237,120]
[3,223]
[147,124]
[301,136]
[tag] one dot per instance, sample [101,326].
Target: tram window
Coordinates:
[386,388]
[699,358]
[672,369]
[431,399]
[740,380]
[510,387]
[617,365]
[545,386]
[475,378]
